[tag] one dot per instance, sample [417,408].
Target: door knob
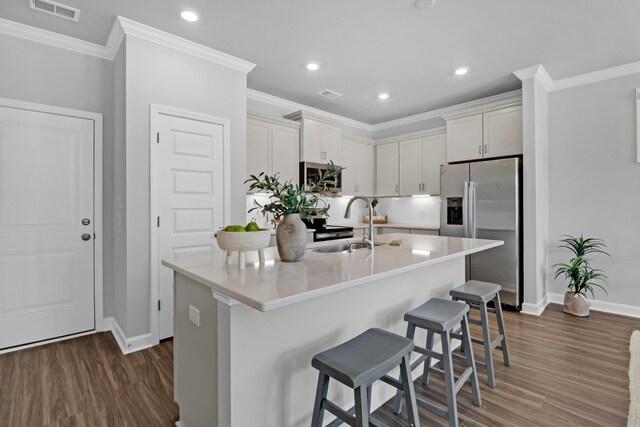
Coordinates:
[86,236]
[86,221]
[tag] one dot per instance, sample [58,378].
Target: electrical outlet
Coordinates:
[194,315]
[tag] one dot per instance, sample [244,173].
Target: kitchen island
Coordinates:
[244,359]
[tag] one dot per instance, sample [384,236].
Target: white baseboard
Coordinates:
[127,345]
[535,309]
[607,307]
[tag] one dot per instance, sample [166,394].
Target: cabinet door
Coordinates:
[284,152]
[387,169]
[364,169]
[425,232]
[434,154]
[347,160]
[258,151]
[311,143]
[464,138]
[410,166]
[331,144]
[503,132]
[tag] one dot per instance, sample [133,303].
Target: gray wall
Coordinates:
[43,74]
[593,179]
[159,75]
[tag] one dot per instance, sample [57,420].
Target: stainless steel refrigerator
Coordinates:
[483,200]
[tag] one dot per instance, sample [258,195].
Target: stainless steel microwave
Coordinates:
[310,174]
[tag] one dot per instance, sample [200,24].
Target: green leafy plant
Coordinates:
[287,198]
[578,271]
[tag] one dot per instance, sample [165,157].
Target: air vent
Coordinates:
[329,94]
[56,9]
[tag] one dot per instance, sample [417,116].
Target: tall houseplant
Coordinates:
[287,202]
[579,273]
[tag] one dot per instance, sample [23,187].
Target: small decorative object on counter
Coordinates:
[236,238]
[287,202]
[395,243]
[377,219]
[581,276]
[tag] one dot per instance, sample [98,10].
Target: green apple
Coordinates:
[234,228]
[252,226]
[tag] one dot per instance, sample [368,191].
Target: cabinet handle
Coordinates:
[486,148]
[480,149]
[396,188]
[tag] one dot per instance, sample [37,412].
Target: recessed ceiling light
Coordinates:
[461,71]
[189,15]
[312,66]
[383,96]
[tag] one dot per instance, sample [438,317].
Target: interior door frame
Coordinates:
[98,252]
[155,111]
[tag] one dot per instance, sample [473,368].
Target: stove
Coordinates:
[323,232]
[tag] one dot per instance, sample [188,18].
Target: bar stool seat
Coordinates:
[477,294]
[358,363]
[441,316]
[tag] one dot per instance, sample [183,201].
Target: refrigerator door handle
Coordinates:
[465,208]
[472,210]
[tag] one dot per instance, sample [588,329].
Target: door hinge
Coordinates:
[158,222]
[158,137]
[158,305]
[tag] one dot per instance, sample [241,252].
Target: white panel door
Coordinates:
[284,153]
[190,198]
[258,147]
[364,169]
[46,191]
[347,161]
[410,166]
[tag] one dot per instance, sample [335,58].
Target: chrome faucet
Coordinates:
[347,214]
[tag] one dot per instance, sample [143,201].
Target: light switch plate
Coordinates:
[194,315]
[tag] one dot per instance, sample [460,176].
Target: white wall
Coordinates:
[593,179]
[43,74]
[159,75]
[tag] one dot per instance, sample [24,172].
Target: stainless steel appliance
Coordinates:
[484,200]
[323,232]
[310,174]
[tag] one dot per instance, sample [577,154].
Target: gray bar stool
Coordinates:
[358,363]
[442,316]
[477,294]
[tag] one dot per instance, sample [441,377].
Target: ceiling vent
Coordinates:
[329,94]
[56,9]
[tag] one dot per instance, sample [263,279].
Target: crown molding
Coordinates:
[440,130]
[537,72]
[597,76]
[358,139]
[136,29]
[273,119]
[284,103]
[435,114]
[38,35]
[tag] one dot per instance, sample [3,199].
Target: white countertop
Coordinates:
[278,284]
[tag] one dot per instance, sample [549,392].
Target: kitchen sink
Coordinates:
[342,247]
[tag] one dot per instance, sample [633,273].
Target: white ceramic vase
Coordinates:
[291,238]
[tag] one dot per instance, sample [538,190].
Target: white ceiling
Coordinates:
[369,46]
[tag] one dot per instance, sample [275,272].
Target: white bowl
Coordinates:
[243,241]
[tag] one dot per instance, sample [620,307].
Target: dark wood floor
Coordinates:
[564,371]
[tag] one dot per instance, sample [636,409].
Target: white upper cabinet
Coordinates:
[419,165]
[357,159]
[272,146]
[387,169]
[484,135]
[319,139]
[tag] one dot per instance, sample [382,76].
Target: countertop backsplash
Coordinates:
[418,210]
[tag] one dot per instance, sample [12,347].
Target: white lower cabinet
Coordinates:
[272,146]
[419,231]
[357,160]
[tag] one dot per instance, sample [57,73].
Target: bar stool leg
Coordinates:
[409,392]
[500,319]
[466,344]
[362,407]
[397,403]
[486,337]
[321,394]
[427,362]
[449,379]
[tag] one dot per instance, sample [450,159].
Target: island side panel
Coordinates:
[272,381]
[201,356]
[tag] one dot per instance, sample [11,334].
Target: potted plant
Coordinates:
[582,277]
[287,202]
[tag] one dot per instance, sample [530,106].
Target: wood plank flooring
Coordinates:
[564,371]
